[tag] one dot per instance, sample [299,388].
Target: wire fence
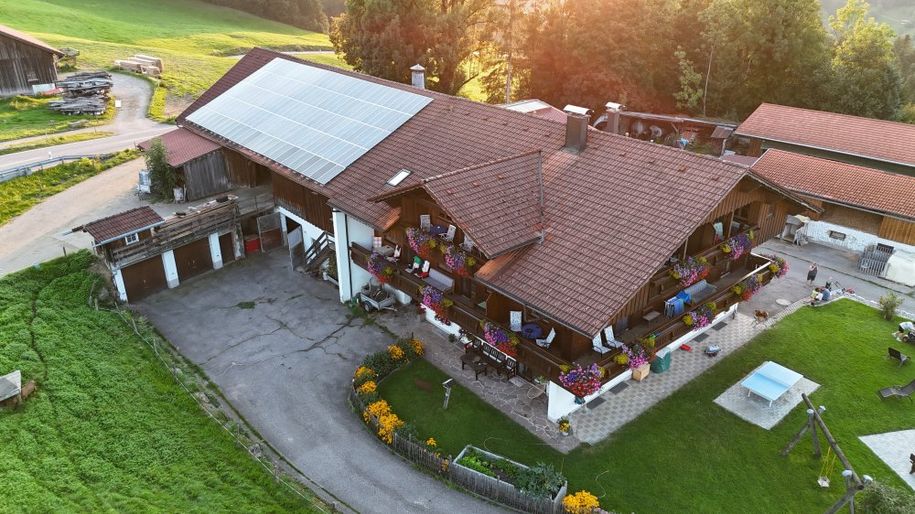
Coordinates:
[267,464]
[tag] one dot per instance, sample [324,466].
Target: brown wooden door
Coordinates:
[144,278]
[193,259]
[226,248]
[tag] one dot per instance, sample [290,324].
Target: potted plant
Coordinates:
[690,271]
[420,242]
[458,260]
[778,266]
[435,300]
[637,360]
[381,268]
[506,342]
[737,246]
[330,272]
[582,381]
[565,426]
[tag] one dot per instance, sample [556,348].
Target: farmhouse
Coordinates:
[564,240]
[880,144]
[27,65]
[865,210]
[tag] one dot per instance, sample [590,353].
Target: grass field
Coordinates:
[193,38]
[55,140]
[707,459]
[20,194]
[22,116]
[108,429]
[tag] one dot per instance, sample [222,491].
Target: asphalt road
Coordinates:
[130,126]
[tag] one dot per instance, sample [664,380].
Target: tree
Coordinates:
[307,14]
[691,93]
[774,51]
[385,38]
[162,176]
[867,81]
[904,50]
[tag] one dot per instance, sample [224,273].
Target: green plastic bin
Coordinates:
[661,364]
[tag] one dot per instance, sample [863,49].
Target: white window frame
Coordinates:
[131,238]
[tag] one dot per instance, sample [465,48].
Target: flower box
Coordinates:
[641,373]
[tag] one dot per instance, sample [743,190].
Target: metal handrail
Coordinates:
[28,169]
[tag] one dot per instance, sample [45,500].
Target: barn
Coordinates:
[199,163]
[27,65]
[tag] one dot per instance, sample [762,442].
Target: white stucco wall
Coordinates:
[347,230]
[309,231]
[855,240]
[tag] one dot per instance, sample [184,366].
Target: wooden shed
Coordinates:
[199,163]
[27,65]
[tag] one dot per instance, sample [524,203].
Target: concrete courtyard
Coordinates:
[283,349]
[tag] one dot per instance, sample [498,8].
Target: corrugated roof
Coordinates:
[880,140]
[497,203]
[182,145]
[839,182]
[613,214]
[26,38]
[122,224]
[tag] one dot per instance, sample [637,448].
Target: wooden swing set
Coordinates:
[853,483]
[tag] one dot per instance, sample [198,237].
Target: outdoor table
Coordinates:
[771,381]
[437,230]
[531,331]
[469,358]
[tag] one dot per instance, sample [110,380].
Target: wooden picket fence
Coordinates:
[476,483]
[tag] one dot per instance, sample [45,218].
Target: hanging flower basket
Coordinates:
[701,317]
[737,246]
[778,266]
[459,262]
[381,268]
[505,341]
[690,271]
[582,381]
[422,243]
[636,356]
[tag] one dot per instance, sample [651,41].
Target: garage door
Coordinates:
[144,278]
[226,248]
[193,259]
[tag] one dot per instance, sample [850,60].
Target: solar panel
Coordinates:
[311,120]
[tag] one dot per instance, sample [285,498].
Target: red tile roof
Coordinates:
[182,145]
[119,225]
[613,214]
[25,38]
[880,140]
[838,182]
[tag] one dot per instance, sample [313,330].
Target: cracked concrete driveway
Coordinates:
[283,349]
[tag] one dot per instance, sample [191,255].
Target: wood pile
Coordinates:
[84,93]
[140,63]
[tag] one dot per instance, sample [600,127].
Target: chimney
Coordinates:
[613,117]
[577,119]
[418,76]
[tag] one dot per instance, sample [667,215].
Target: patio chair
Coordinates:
[897,391]
[415,265]
[545,343]
[467,245]
[449,236]
[425,222]
[611,339]
[376,243]
[598,345]
[514,321]
[896,354]
[396,255]
[912,460]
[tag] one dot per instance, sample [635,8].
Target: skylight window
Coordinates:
[399,177]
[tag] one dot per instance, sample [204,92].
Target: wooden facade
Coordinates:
[897,230]
[23,65]
[244,172]
[204,176]
[305,203]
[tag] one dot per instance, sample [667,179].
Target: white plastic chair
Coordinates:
[514,321]
[425,222]
[545,343]
[449,236]
[467,245]
[598,344]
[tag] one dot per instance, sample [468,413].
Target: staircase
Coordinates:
[318,252]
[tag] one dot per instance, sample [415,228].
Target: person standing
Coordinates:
[812,273]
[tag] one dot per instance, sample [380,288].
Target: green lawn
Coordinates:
[686,454]
[20,194]
[108,430]
[23,116]
[192,38]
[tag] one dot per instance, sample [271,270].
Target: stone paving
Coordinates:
[894,448]
[594,425]
[757,410]
[509,396]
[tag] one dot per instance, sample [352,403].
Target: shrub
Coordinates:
[878,498]
[362,375]
[581,502]
[396,352]
[888,305]
[380,362]
[540,480]
[161,174]
[366,388]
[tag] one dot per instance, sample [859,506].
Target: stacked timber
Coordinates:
[83,93]
[140,63]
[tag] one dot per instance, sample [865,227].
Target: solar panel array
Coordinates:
[311,120]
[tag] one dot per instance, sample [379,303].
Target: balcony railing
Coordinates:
[538,361]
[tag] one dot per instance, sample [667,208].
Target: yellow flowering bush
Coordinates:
[376,410]
[431,443]
[387,425]
[367,388]
[362,374]
[395,352]
[417,346]
[581,502]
